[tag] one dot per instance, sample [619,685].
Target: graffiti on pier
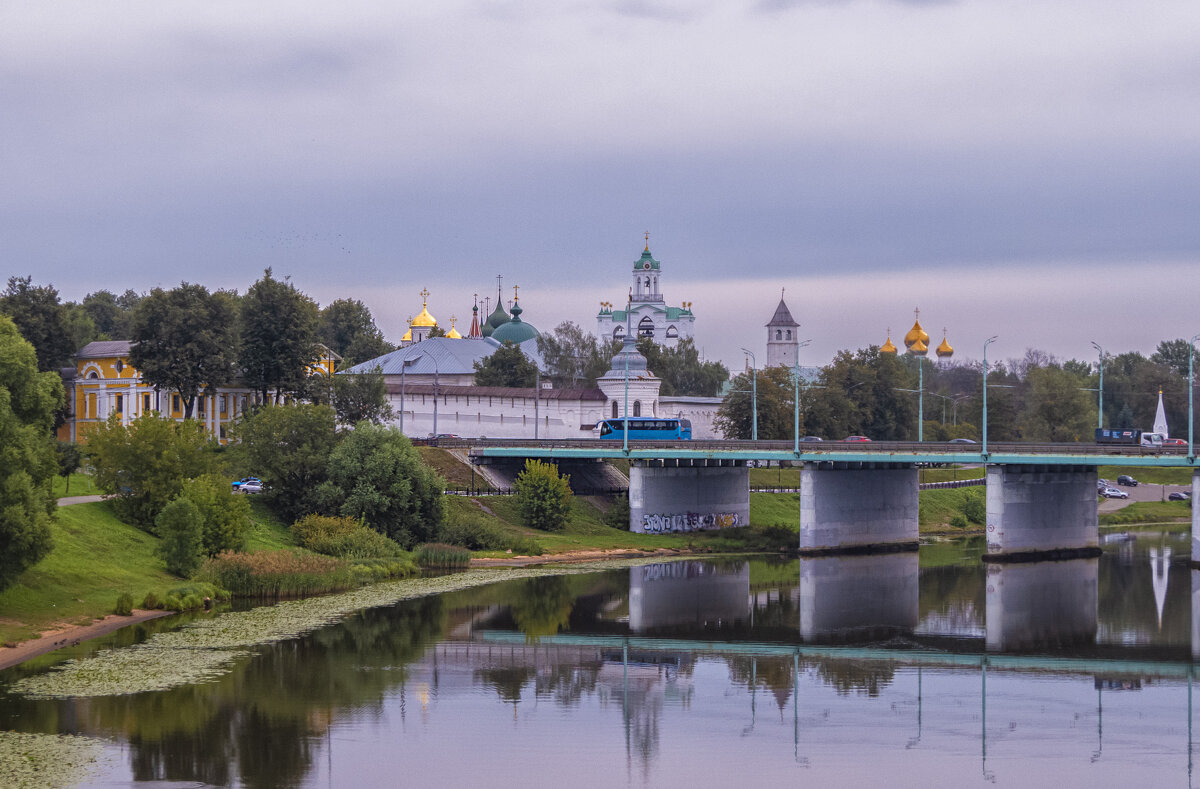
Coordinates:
[688,521]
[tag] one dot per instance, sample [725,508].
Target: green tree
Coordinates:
[348,329]
[79,326]
[69,460]
[144,464]
[41,319]
[28,401]
[1058,409]
[376,475]
[735,417]
[185,340]
[278,337]
[361,397]
[1174,354]
[508,366]
[681,369]
[111,315]
[572,357]
[288,447]
[225,518]
[543,496]
[182,529]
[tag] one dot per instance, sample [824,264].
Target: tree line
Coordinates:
[1034,398]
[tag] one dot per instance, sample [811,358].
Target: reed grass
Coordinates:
[442,556]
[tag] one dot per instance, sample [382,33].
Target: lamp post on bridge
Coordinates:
[1100,388]
[753,394]
[796,398]
[986,343]
[1191,389]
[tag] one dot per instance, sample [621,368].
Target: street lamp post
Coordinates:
[1100,388]
[753,394]
[1191,388]
[986,343]
[796,399]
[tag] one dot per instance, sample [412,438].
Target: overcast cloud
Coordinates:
[1026,169]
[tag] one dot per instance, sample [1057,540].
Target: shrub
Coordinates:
[974,505]
[526,546]
[151,602]
[472,532]
[959,521]
[345,538]
[618,514]
[226,517]
[442,556]
[544,496]
[124,606]
[275,574]
[182,529]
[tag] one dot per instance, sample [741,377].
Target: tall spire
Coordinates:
[475,333]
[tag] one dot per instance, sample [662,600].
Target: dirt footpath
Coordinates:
[72,635]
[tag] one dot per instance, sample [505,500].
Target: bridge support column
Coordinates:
[1195,519]
[683,496]
[1036,510]
[857,508]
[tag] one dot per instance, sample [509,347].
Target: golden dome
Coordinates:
[407,336]
[918,348]
[453,333]
[916,334]
[888,347]
[945,350]
[424,319]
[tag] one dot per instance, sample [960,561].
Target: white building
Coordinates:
[783,341]
[648,313]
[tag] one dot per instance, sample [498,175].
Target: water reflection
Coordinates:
[1041,605]
[853,669]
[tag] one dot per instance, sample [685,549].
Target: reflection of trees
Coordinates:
[508,681]
[772,673]
[542,606]
[567,683]
[258,724]
[861,676]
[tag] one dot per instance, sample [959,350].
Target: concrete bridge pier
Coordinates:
[1195,519]
[688,495]
[851,507]
[1036,510]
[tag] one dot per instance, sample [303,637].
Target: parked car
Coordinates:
[1179,495]
[1114,493]
[251,488]
[1174,442]
[1125,479]
[855,438]
[960,441]
[810,439]
[237,485]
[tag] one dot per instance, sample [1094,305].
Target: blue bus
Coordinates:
[642,428]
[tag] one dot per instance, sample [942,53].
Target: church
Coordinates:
[647,313]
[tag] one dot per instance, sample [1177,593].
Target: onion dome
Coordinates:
[918,348]
[516,330]
[889,346]
[475,333]
[917,335]
[497,319]
[407,336]
[945,350]
[453,333]
[424,319]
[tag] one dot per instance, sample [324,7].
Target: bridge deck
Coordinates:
[887,452]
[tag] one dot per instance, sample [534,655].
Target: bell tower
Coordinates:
[783,341]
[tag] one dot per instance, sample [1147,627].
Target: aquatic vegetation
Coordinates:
[46,760]
[435,554]
[203,650]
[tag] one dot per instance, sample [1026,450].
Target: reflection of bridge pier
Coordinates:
[689,593]
[1039,604]
[858,597]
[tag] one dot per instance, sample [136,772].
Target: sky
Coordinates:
[1014,167]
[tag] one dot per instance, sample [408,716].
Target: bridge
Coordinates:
[861,496]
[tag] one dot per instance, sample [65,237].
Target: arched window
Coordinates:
[789,334]
[778,334]
[637,407]
[647,284]
[618,332]
[672,332]
[646,327]
[92,374]
[615,414]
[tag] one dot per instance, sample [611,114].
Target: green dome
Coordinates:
[516,330]
[646,262]
[498,318]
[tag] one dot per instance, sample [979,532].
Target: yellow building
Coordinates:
[103,382]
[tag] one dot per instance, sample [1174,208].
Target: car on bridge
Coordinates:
[960,441]
[1174,442]
[853,439]
[810,439]
[1114,493]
